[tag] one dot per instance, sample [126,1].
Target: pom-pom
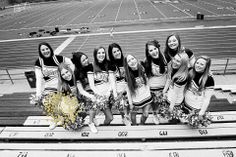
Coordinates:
[121,101]
[63,108]
[164,112]
[196,121]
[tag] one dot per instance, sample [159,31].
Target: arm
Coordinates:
[176,90]
[206,101]
[91,82]
[112,81]
[39,86]
[84,92]
[192,61]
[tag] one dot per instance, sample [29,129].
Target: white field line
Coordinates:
[136,6]
[42,17]
[78,16]
[200,7]
[118,10]
[60,48]
[218,6]
[157,9]
[124,32]
[85,41]
[190,15]
[227,2]
[100,11]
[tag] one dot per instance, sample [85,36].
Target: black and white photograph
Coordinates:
[117,78]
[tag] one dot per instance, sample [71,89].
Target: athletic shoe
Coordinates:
[93,128]
[126,121]
[52,126]
[156,119]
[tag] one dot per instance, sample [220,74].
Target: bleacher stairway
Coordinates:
[24,132]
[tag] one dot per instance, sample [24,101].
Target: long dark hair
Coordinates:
[80,70]
[49,46]
[130,76]
[169,53]
[98,67]
[206,73]
[111,57]
[63,85]
[149,59]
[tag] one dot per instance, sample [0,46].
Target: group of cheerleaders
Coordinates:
[175,76]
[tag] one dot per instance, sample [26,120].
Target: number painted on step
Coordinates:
[121,155]
[174,154]
[22,154]
[163,133]
[220,117]
[49,134]
[227,153]
[85,134]
[203,132]
[122,133]
[70,155]
[13,134]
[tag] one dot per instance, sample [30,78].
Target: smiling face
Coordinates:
[173,43]
[176,62]
[84,60]
[132,62]
[45,51]
[200,65]
[116,53]
[101,55]
[66,74]
[153,51]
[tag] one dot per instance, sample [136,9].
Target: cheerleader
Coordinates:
[102,80]
[140,94]
[200,86]
[82,68]
[46,71]
[67,86]
[117,59]
[156,70]
[173,47]
[176,80]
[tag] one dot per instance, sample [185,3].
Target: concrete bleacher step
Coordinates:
[225,87]
[226,95]
[226,116]
[138,149]
[215,130]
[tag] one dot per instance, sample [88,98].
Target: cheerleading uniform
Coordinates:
[178,83]
[48,70]
[194,99]
[102,81]
[173,53]
[142,95]
[157,81]
[83,80]
[121,84]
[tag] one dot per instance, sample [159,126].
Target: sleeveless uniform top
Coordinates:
[101,80]
[142,95]
[187,51]
[157,81]
[49,68]
[178,83]
[193,97]
[83,79]
[121,84]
